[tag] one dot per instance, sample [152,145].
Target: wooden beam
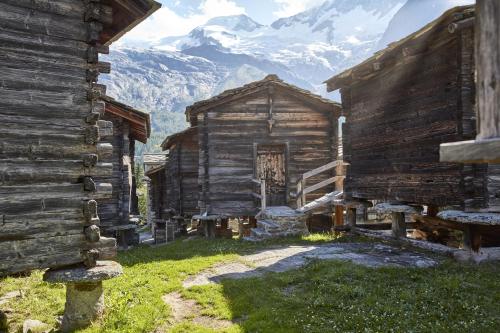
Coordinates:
[339,215]
[321,184]
[480,151]
[321,169]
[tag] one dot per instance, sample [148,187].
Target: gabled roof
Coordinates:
[126,15]
[251,88]
[140,123]
[154,159]
[154,162]
[417,40]
[170,140]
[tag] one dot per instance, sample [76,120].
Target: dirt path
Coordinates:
[186,309]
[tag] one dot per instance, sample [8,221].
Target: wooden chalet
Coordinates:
[181,173]
[50,154]
[400,105]
[129,125]
[267,130]
[154,170]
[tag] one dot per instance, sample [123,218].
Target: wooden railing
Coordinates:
[303,190]
[260,194]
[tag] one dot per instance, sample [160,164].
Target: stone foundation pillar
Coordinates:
[84,292]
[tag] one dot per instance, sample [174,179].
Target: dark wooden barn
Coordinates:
[129,125]
[181,172]
[267,130]
[154,170]
[400,105]
[50,153]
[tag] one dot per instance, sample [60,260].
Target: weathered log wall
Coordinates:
[229,135]
[49,133]
[115,210]
[181,174]
[158,195]
[400,111]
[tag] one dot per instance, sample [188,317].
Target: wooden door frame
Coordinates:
[286,151]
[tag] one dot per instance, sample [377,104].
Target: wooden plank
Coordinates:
[321,184]
[480,151]
[321,169]
[488,69]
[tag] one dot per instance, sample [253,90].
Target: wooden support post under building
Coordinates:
[351,217]
[398,225]
[472,238]
[339,216]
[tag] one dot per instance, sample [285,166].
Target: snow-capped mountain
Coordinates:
[413,15]
[165,76]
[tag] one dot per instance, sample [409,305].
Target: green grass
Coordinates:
[326,296]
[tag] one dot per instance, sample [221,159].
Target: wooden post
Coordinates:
[472,238]
[351,217]
[432,210]
[303,193]
[339,215]
[263,200]
[488,68]
[398,225]
[299,194]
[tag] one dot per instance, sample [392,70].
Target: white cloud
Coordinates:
[292,7]
[165,22]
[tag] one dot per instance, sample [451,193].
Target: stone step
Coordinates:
[260,233]
[281,214]
[268,226]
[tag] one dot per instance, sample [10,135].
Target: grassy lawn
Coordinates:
[326,296]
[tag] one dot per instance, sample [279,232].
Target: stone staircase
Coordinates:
[279,222]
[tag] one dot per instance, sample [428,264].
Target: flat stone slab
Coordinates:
[209,217]
[385,208]
[470,218]
[281,211]
[104,270]
[293,257]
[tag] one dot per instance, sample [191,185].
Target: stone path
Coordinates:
[293,257]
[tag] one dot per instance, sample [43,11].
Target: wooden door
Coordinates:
[271,166]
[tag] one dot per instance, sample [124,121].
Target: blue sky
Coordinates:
[178,17]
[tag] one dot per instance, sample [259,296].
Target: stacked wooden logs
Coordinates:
[50,132]
[96,16]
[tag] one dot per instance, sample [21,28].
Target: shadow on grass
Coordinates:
[336,296]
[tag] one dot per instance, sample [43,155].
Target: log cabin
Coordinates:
[181,173]
[157,200]
[154,170]
[400,105]
[129,125]
[267,130]
[50,154]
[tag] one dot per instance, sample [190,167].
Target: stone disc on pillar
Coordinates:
[84,293]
